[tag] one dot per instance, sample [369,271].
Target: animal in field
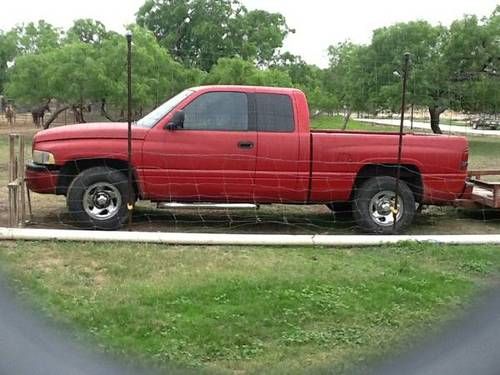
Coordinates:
[10,114]
[3,104]
[38,114]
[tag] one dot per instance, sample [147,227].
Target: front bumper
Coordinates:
[41,178]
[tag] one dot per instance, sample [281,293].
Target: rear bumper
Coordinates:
[445,189]
[467,194]
[41,178]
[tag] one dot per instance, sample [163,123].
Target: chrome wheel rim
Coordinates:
[102,201]
[381,206]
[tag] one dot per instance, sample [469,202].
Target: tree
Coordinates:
[473,52]
[80,73]
[28,80]
[310,79]
[70,74]
[258,34]
[37,38]
[237,71]
[448,65]
[87,31]
[200,32]
[347,77]
[8,51]
[156,76]
[430,77]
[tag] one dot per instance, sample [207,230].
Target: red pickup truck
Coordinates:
[236,144]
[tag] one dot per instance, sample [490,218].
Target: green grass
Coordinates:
[337,122]
[238,309]
[484,152]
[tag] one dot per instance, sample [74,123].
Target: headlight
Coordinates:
[43,157]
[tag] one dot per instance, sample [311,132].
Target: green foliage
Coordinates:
[257,35]
[348,77]
[386,56]
[450,68]
[237,71]
[184,43]
[87,31]
[79,72]
[71,74]
[310,79]
[200,32]
[8,51]
[37,38]
[28,80]
[156,76]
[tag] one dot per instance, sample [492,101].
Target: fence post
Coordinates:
[20,177]
[11,185]
[16,184]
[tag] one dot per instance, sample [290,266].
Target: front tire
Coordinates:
[373,201]
[97,198]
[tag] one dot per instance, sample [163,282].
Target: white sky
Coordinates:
[318,23]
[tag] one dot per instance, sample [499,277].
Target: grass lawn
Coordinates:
[246,310]
[337,122]
[484,152]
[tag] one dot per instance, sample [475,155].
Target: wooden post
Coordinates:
[16,184]
[11,185]
[21,185]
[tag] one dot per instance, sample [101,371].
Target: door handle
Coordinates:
[245,144]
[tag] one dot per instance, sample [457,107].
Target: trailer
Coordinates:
[485,194]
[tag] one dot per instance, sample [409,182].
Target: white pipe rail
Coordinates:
[237,239]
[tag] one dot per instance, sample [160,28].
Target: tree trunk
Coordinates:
[346,119]
[435,112]
[54,116]
[104,112]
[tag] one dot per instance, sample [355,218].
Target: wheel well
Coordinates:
[72,168]
[409,174]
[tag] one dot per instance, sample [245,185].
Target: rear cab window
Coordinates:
[274,113]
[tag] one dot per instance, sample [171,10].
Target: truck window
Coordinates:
[274,113]
[217,111]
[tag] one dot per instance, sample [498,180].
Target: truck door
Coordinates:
[279,175]
[212,158]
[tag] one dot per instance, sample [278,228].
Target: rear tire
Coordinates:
[372,203]
[97,199]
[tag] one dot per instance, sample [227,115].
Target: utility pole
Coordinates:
[130,203]
[406,65]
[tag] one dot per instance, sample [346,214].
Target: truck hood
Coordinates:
[112,130]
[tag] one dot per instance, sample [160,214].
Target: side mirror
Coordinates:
[177,121]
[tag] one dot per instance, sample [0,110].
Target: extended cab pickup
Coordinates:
[238,144]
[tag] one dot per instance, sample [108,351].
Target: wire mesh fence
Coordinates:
[234,151]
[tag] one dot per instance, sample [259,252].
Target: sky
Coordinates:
[318,23]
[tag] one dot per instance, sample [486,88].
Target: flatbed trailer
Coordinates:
[484,193]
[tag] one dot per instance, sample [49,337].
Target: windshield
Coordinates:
[153,117]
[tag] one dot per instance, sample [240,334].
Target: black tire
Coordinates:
[341,209]
[103,183]
[371,189]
